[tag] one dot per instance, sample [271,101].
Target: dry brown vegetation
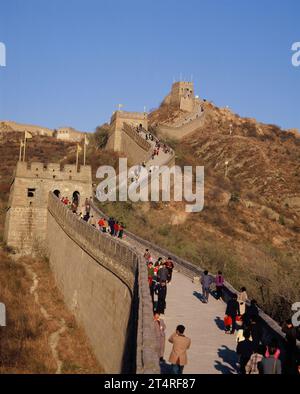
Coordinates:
[25,341]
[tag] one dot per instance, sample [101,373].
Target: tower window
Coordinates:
[30,192]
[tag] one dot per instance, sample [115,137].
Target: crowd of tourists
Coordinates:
[159,278]
[256,354]
[111,226]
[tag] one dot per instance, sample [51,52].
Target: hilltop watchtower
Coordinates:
[182,96]
[26,218]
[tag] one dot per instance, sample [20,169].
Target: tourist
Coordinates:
[163,273]
[121,230]
[178,356]
[244,350]
[161,292]
[92,221]
[101,224]
[253,366]
[111,223]
[147,255]
[170,266]
[105,226]
[242,298]
[291,348]
[256,331]
[271,365]
[272,344]
[251,310]
[151,281]
[206,282]
[219,280]
[233,310]
[87,205]
[160,329]
[116,228]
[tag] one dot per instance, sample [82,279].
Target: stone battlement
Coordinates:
[53,171]
[129,115]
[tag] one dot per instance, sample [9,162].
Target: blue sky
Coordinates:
[69,63]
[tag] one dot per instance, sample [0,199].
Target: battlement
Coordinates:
[140,116]
[53,171]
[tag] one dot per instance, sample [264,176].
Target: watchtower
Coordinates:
[182,96]
[26,218]
[117,121]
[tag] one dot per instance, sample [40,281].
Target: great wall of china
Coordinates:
[103,279]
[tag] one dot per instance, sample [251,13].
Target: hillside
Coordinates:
[250,225]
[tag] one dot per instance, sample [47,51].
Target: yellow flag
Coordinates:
[86,141]
[28,135]
[22,144]
[79,149]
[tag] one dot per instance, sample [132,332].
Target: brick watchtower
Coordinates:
[26,218]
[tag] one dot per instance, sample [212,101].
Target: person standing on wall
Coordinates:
[219,284]
[178,356]
[233,310]
[206,282]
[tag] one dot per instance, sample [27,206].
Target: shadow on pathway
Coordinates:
[229,359]
[220,323]
[199,296]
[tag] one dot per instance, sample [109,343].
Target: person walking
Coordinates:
[242,298]
[161,298]
[147,255]
[271,365]
[111,223]
[244,350]
[291,346]
[160,329]
[163,273]
[170,267]
[178,356]
[253,366]
[219,280]
[233,310]
[151,281]
[206,282]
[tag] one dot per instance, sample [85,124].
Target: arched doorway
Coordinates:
[57,193]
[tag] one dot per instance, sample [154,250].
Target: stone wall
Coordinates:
[100,279]
[26,218]
[178,133]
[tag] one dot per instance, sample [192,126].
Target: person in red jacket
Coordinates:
[116,228]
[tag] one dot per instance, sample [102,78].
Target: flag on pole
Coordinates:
[86,140]
[79,149]
[28,135]
[120,106]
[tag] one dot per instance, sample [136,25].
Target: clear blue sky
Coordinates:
[71,62]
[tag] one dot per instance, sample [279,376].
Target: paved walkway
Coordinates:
[212,351]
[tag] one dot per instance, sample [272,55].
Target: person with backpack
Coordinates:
[271,365]
[219,280]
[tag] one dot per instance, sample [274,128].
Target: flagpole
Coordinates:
[84,150]
[20,154]
[77,158]
[24,146]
